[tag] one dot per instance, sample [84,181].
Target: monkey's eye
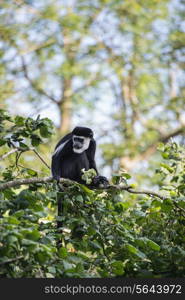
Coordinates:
[77,139]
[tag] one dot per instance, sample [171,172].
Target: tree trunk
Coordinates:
[66,108]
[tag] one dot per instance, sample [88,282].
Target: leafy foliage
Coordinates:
[19,129]
[105,233]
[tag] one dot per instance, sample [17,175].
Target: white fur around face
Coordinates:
[86,142]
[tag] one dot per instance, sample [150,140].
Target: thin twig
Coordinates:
[147,192]
[129,189]
[24,150]
[8,261]
[180,208]
[33,83]
[41,158]
[8,153]
[18,182]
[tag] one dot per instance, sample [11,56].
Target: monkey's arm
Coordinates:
[91,155]
[55,166]
[58,155]
[98,181]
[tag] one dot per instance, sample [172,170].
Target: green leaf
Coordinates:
[135,251]
[79,198]
[95,245]
[141,254]
[167,167]
[12,239]
[116,178]
[131,248]
[118,268]
[35,140]
[126,175]
[165,155]
[67,265]
[153,245]
[2,142]
[19,121]
[86,189]
[52,270]
[41,257]
[49,275]
[33,235]
[27,242]
[160,147]
[167,205]
[31,172]
[45,131]
[13,220]
[62,252]
[24,146]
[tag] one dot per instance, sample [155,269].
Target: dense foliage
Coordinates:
[105,233]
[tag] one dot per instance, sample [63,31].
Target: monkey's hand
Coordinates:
[100,181]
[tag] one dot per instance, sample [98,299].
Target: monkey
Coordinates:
[74,152]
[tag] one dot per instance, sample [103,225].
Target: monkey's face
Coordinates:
[80,143]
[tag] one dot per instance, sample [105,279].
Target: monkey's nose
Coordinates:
[77,146]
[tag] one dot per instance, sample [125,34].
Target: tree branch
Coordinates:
[34,85]
[18,182]
[129,189]
[88,83]
[8,153]
[28,181]
[164,139]
[176,132]
[8,261]
[128,163]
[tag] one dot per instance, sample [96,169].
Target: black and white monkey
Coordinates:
[74,152]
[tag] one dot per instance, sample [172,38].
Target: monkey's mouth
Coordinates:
[78,150]
[78,147]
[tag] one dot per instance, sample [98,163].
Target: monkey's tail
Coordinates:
[59,206]
[60,212]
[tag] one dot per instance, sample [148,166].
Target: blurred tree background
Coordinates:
[116,66]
